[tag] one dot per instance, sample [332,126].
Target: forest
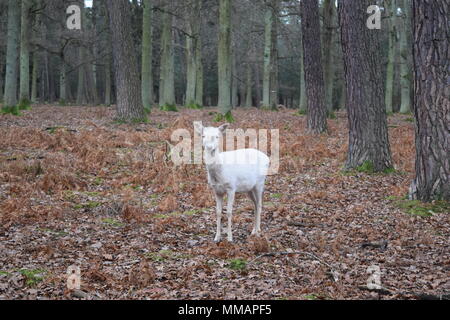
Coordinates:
[355,95]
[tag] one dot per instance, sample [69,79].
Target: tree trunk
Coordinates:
[24,92]
[1,81]
[108,82]
[234,81]
[405,56]
[81,96]
[12,54]
[329,9]
[199,73]
[62,82]
[167,80]
[368,136]
[248,90]
[270,78]
[312,62]
[147,53]
[224,57]
[431,100]
[34,77]
[303,101]
[128,84]
[268,23]
[194,72]
[391,9]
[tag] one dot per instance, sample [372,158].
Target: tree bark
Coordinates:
[405,56]
[147,53]
[368,136]
[62,82]
[34,77]
[248,90]
[312,62]
[391,9]
[329,9]
[224,57]
[431,100]
[128,84]
[194,72]
[270,79]
[303,100]
[24,92]
[167,77]
[12,53]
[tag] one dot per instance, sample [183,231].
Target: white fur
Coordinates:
[243,170]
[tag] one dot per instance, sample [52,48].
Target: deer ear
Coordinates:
[224,127]
[198,127]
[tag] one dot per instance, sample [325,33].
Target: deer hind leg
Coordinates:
[230,214]
[258,193]
[219,208]
[252,195]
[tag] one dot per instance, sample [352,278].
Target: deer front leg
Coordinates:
[230,214]
[219,208]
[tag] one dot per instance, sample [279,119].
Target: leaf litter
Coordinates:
[79,189]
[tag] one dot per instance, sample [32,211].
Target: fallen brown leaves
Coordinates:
[77,188]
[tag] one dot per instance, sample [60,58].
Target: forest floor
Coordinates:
[78,188]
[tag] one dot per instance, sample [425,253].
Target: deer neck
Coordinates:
[213,164]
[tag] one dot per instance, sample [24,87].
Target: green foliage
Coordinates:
[87,205]
[268,108]
[113,222]
[24,104]
[194,106]
[366,167]
[276,195]
[228,117]
[302,112]
[62,102]
[422,209]
[331,115]
[54,232]
[409,119]
[237,264]
[169,107]
[52,130]
[139,120]
[132,121]
[98,181]
[32,277]
[14,110]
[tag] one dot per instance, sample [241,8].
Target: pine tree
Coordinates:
[312,62]
[12,56]
[147,52]
[224,58]
[127,80]
[24,92]
[431,100]
[368,136]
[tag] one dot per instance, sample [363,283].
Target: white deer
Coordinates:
[242,170]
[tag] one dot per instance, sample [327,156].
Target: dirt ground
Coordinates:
[78,188]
